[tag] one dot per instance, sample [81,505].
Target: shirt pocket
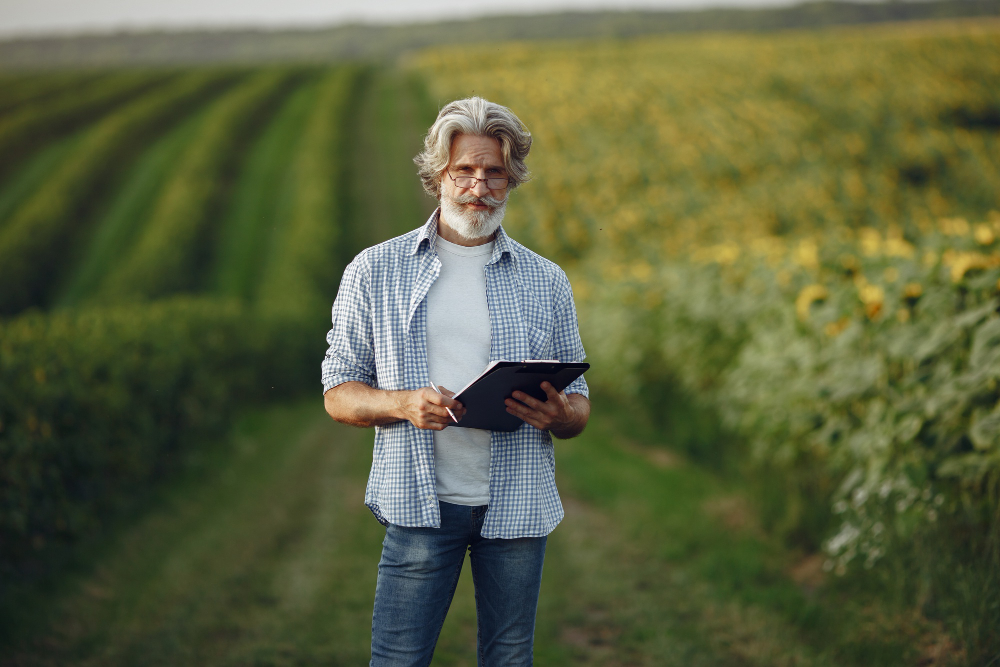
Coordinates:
[539,342]
[537,320]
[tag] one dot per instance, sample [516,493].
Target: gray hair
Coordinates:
[479,117]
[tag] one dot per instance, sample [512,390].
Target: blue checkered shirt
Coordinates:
[379,337]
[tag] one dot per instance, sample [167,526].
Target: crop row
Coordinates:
[302,269]
[41,235]
[261,197]
[864,378]
[28,88]
[36,124]
[169,254]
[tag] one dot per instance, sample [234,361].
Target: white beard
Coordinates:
[471,224]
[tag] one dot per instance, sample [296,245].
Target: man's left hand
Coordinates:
[565,416]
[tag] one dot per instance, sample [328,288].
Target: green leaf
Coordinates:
[985,430]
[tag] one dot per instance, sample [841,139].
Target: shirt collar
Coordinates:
[501,242]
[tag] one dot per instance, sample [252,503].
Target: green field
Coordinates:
[744,219]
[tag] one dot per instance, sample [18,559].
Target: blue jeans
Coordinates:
[416,581]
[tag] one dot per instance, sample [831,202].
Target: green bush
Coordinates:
[97,403]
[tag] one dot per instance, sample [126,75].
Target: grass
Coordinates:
[386,197]
[262,553]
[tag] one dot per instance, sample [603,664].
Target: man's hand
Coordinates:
[427,409]
[566,416]
[357,404]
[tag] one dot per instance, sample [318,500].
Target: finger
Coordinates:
[533,417]
[529,417]
[530,401]
[445,401]
[550,391]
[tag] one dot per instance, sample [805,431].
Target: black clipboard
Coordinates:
[484,397]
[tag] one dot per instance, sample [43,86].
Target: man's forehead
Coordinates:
[473,149]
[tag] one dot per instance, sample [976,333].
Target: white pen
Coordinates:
[452,414]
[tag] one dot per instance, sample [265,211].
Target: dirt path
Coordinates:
[265,555]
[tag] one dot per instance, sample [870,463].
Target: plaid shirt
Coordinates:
[379,337]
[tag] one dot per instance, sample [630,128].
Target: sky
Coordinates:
[45,17]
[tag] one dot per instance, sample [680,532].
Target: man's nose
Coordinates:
[480,189]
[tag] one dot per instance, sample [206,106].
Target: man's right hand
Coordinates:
[427,409]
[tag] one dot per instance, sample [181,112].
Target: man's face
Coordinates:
[473,212]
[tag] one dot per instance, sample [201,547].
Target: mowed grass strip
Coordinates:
[46,228]
[262,190]
[171,252]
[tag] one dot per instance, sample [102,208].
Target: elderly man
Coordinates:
[437,305]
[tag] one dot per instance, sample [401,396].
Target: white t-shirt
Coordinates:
[458,349]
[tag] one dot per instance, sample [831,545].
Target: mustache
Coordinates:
[492,202]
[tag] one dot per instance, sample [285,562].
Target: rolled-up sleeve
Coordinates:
[566,343]
[350,356]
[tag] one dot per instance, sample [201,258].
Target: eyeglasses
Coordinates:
[493,182]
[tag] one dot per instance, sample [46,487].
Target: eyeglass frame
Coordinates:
[485,180]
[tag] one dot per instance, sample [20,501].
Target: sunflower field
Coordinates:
[799,234]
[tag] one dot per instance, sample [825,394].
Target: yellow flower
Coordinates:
[809,295]
[872,296]
[807,254]
[833,329]
[953,226]
[962,262]
[984,235]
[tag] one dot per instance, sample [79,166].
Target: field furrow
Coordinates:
[171,253]
[44,231]
[261,196]
[127,212]
[304,254]
[33,87]
[34,125]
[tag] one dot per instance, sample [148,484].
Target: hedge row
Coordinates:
[95,404]
[44,230]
